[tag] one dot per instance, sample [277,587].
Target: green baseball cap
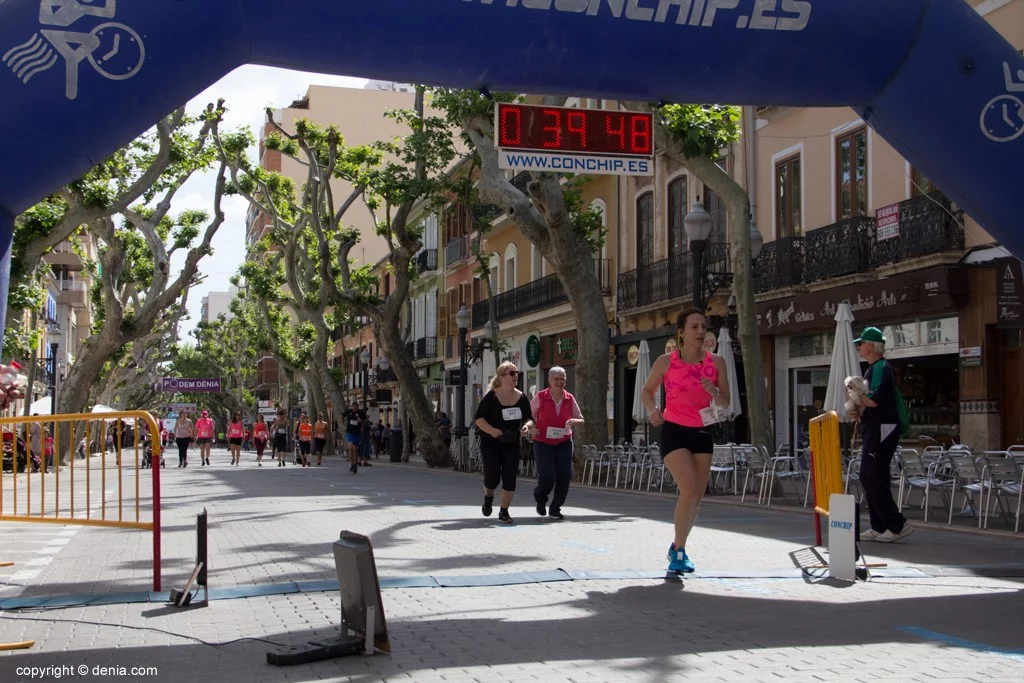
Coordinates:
[871,334]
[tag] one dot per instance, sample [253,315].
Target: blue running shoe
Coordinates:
[679,561]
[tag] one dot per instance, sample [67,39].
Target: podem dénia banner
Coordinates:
[194,385]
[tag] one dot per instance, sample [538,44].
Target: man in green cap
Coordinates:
[880,435]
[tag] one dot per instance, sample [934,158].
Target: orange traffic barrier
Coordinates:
[51,484]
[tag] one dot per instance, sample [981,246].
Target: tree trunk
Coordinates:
[577,271]
[329,386]
[74,393]
[416,405]
[737,205]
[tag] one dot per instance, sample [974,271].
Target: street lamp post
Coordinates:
[53,329]
[462,319]
[697,225]
[364,358]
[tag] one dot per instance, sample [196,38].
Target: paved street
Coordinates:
[948,606]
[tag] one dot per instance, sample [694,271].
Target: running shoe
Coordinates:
[541,509]
[679,561]
[869,535]
[504,517]
[488,507]
[556,514]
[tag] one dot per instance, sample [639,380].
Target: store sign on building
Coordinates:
[533,351]
[887,222]
[901,296]
[633,355]
[1009,294]
[970,357]
[560,349]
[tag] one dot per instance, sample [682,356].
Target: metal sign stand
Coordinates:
[183,598]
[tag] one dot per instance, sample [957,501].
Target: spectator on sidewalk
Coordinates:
[555,413]
[880,435]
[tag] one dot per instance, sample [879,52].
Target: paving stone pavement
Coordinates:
[957,617]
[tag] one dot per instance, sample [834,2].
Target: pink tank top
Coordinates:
[684,395]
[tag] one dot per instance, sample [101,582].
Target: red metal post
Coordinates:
[155,467]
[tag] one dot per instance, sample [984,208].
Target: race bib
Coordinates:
[709,416]
[556,433]
[511,414]
[353,422]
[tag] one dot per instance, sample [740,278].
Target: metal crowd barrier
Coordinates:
[28,463]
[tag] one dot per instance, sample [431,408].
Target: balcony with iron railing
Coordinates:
[426,347]
[426,261]
[839,249]
[456,252]
[780,265]
[668,279]
[535,296]
[928,224]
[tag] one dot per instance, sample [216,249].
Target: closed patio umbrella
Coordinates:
[643,369]
[844,363]
[735,408]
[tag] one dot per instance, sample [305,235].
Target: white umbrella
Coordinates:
[844,363]
[100,408]
[734,409]
[643,369]
[41,406]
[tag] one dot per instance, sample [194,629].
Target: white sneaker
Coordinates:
[889,537]
[869,535]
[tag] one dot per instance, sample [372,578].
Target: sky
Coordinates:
[246,91]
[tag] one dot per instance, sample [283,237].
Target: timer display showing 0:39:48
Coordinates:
[582,131]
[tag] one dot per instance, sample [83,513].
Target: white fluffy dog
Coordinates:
[856,390]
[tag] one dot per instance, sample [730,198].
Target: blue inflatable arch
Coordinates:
[80,78]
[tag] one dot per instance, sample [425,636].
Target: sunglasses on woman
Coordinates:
[512,373]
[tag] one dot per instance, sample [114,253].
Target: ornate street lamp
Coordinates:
[364,358]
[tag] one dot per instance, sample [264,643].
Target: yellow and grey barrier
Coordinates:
[44,478]
[826,464]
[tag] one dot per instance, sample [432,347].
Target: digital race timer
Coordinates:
[573,131]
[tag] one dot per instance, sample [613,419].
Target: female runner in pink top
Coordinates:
[693,378]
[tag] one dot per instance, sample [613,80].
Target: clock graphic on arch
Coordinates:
[120,53]
[1002,119]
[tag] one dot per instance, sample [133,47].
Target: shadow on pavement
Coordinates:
[657,623]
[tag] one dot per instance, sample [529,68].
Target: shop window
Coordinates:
[944,331]
[900,335]
[1011,339]
[810,345]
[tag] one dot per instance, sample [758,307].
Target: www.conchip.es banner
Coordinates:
[191,385]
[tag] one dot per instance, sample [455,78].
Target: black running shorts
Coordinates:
[693,439]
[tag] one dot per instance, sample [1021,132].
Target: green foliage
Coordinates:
[460,106]
[18,343]
[586,221]
[702,129]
